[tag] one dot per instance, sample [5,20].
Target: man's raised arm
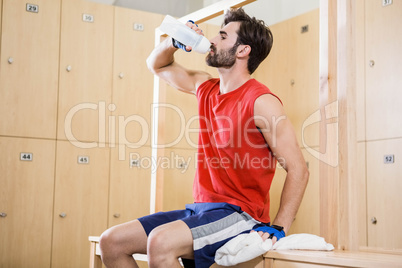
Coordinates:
[161,62]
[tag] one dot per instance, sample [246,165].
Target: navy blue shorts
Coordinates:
[211,224]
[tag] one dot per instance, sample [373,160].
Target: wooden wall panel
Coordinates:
[26,197]
[29,69]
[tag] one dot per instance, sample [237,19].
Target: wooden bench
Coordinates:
[330,259]
[95,259]
[291,259]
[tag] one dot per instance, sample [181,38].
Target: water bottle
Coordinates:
[185,35]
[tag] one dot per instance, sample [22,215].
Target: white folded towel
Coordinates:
[242,248]
[303,241]
[246,247]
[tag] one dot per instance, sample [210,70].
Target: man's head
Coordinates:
[249,32]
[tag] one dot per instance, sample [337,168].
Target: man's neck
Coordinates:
[231,79]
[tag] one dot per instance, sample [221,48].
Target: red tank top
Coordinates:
[235,164]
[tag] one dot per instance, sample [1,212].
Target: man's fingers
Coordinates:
[265,236]
[194,27]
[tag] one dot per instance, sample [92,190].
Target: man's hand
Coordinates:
[270,232]
[191,24]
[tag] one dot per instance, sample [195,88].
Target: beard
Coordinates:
[223,58]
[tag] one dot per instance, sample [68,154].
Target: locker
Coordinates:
[130,182]
[384,201]
[26,201]
[81,202]
[383,70]
[29,68]
[86,51]
[134,38]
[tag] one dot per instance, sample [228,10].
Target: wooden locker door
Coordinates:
[291,72]
[81,202]
[29,68]
[384,199]
[26,198]
[130,183]
[86,51]
[133,83]
[304,81]
[383,70]
[178,167]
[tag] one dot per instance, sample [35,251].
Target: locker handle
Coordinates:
[3,215]
[374,220]
[10,60]
[62,215]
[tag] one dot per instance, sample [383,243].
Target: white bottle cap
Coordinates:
[203,46]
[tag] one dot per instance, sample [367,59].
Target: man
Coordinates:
[243,131]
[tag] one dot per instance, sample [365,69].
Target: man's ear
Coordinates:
[244,50]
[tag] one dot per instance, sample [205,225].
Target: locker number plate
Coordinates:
[26,156]
[87,17]
[389,159]
[32,8]
[138,27]
[386,2]
[83,159]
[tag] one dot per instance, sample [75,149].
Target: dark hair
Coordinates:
[252,32]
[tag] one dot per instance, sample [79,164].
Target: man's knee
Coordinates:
[158,241]
[108,241]
[168,242]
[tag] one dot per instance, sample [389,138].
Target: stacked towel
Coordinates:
[303,241]
[246,247]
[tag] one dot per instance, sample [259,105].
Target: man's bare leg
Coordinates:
[164,246]
[118,243]
[167,243]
